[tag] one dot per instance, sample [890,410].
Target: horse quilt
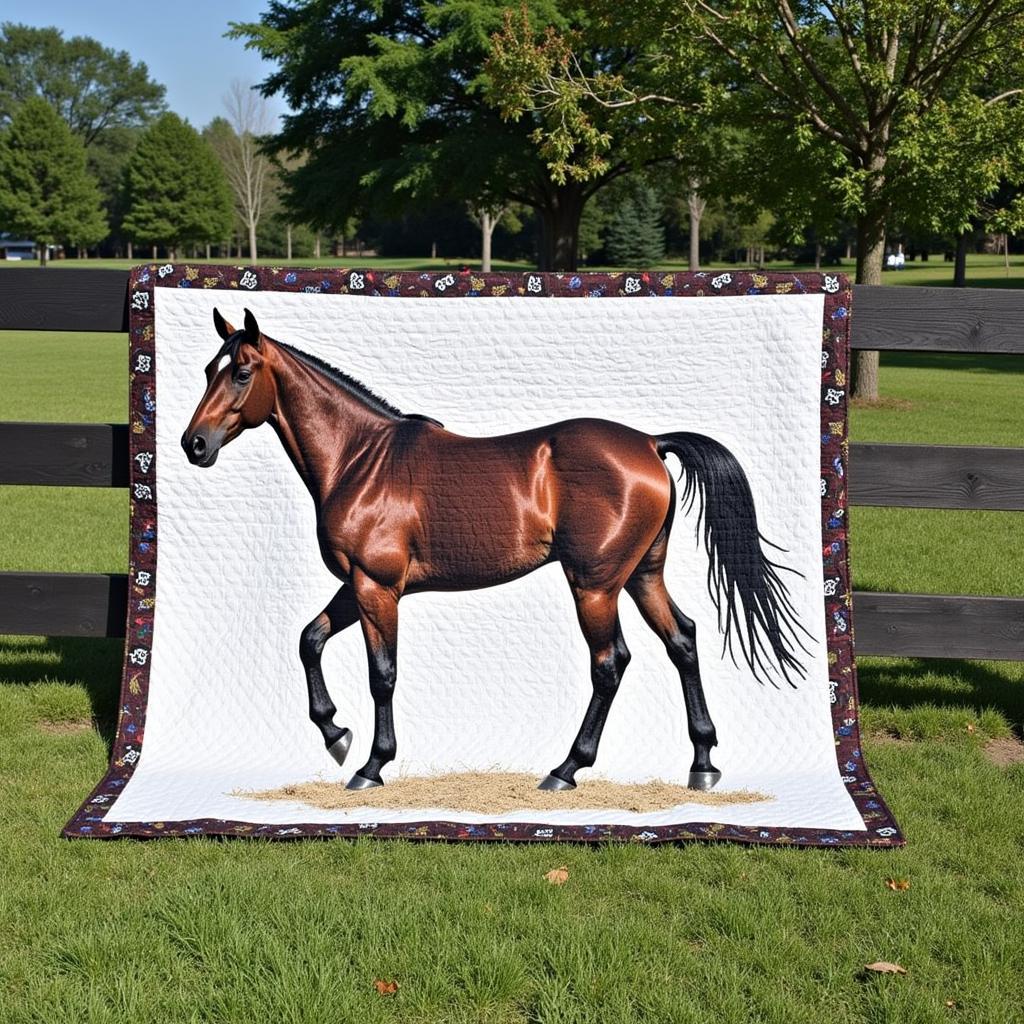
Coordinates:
[488,556]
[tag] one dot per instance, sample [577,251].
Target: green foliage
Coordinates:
[175,190]
[866,109]
[598,94]
[635,236]
[46,193]
[93,87]
[102,94]
[395,106]
[892,110]
[388,106]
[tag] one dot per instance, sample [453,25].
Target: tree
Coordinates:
[635,237]
[248,169]
[874,83]
[46,193]
[89,85]
[390,106]
[870,83]
[175,190]
[105,97]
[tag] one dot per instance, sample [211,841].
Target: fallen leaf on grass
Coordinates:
[898,884]
[385,988]
[558,876]
[970,727]
[950,1004]
[883,967]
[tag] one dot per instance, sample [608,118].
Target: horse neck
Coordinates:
[324,428]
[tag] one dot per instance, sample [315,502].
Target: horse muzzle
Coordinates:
[200,450]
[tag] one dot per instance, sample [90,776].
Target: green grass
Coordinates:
[221,931]
[983,270]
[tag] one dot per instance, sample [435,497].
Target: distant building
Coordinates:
[12,248]
[16,249]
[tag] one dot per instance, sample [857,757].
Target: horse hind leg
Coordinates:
[378,615]
[679,635]
[338,615]
[599,619]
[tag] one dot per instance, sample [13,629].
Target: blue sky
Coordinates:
[181,44]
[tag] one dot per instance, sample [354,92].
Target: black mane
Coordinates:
[343,380]
[332,373]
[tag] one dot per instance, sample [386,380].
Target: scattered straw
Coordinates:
[502,792]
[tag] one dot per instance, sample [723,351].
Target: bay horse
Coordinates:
[405,506]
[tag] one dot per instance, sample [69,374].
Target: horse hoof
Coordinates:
[339,748]
[554,784]
[361,782]
[703,780]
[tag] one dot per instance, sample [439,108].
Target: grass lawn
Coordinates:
[230,931]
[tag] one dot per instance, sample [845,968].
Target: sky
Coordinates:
[185,50]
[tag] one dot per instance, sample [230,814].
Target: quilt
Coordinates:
[465,556]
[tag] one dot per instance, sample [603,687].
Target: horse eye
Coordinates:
[244,376]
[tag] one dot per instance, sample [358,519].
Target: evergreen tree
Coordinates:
[175,190]
[635,237]
[46,193]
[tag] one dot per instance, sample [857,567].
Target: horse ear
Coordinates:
[224,329]
[252,330]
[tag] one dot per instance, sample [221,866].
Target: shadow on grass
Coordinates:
[93,664]
[907,683]
[969,685]
[961,361]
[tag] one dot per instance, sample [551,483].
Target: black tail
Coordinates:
[737,565]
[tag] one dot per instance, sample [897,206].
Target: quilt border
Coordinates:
[90,821]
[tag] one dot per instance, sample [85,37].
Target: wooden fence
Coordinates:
[980,321]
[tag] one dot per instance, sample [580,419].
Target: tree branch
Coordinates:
[1003,96]
[807,59]
[803,104]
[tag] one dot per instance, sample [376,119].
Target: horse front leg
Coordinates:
[338,615]
[378,615]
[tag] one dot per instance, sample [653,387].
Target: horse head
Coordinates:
[239,392]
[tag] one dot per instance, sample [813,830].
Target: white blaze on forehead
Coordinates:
[224,361]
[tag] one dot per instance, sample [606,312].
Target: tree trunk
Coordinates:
[433,250]
[487,223]
[43,253]
[560,227]
[960,264]
[316,246]
[252,241]
[131,255]
[288,241]
[1006,253]
[696,205]
[870,254]
[154,252]
[817,255]
[207,252]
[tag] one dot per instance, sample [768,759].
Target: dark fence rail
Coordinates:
[989,321]
[34,299]
[983,320]
[915,475]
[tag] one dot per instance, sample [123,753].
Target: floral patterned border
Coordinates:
[881,829]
